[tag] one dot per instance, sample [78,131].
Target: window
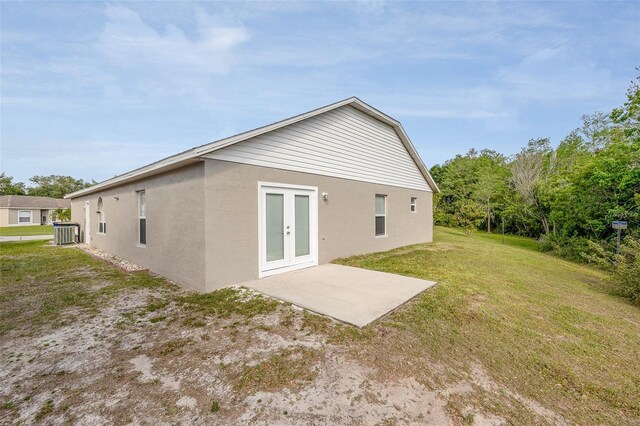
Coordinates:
[24,216]
[381,215]
[102,224]
[413,204]
[142,218]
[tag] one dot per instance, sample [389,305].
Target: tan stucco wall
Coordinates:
[345,222]
[202,220]
[175,224]
[9,217]
[4,217]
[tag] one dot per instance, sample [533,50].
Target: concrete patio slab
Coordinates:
[352,295]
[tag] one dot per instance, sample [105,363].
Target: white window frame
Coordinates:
[30,216]
[384,197]
[414,204]
[102,222]
[139,195]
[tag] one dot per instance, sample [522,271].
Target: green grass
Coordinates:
[9,231]
[40,281]
[511,240]
[290,368]
[547,328]
[226,302]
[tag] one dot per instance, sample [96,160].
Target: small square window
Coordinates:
[414,201]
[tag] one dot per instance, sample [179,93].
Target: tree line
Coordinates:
[565,196]
[54,186]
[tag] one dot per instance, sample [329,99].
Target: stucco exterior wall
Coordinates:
[9,217]
[346,222]
[175,218]
[4,217]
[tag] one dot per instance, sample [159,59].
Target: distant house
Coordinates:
[337,181]
[22,210]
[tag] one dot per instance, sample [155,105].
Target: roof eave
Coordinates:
[137,174]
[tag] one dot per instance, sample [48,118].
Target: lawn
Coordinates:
[511,240]
[508,335]
[549,329]
[9,231]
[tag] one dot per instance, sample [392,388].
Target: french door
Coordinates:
[288,228]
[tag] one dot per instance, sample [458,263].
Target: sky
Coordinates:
[93,89]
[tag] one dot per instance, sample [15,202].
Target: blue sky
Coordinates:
[94,89]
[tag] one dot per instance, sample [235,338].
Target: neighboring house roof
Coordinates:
[194,154]
[31,202]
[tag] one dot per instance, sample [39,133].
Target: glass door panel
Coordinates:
[274,211]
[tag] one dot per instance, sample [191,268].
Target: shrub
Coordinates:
[546,243]
[624,266]
[572,248]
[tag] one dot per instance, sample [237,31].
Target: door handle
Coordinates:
[288,232]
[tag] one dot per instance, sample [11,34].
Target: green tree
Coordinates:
[61,214]
[456,179]
[530,169]
[8,187]
[627,117]
[491,183]
[468,215]
[471,183]
[594,130]
[568,195]
[604,189]
[56,186]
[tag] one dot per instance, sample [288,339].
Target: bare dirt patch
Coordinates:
[117,366]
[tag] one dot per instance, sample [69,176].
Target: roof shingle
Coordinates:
[28,201]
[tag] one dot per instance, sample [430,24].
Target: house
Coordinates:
[337,181]
[21,210]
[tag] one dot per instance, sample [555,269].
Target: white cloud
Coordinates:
[127,41]
[476,103]
[554,74]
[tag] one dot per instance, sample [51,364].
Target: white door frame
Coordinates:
[87,222]
[265,270]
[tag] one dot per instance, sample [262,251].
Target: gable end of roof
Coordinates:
[195,154]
